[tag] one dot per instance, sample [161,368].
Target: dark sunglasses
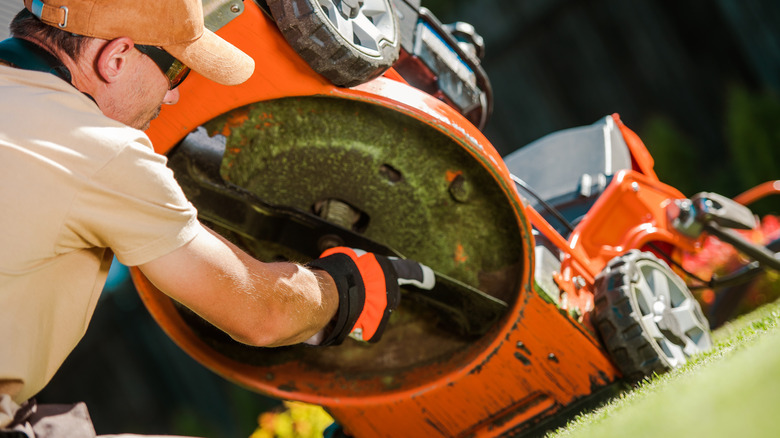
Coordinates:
[171,67]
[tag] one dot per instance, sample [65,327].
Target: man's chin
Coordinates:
[143,125]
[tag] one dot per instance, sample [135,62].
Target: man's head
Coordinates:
[176,26]
[117,49]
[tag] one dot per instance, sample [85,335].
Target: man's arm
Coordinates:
[260,304]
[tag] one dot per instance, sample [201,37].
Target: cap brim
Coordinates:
[215,59]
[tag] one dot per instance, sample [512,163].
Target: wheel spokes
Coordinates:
[658,292]
[685,314]
[675,353]
[373,8]
[652,327]
[645,296]
[329,8]
[338,21]
[372,25]
[367,32]
[692,347]
[660,285]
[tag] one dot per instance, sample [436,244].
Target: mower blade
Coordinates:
[465,309]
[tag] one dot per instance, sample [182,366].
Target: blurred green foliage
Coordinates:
[440,7]
[294,420]
[752,134]
[674,154]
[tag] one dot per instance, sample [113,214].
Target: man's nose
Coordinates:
[172,96]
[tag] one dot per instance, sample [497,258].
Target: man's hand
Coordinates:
[368,287]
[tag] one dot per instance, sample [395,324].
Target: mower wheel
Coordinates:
[647,318]
[347,41]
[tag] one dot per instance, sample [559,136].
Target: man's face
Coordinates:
[142,94]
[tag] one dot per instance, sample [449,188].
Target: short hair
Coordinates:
[25,24]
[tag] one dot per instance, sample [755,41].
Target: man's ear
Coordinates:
[113,58]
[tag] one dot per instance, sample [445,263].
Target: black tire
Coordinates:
[647,318]
[348,49]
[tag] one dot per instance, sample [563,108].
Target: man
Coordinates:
[79,81]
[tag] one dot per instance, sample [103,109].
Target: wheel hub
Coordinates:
[660,307]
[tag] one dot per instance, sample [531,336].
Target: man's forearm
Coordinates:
[256,303]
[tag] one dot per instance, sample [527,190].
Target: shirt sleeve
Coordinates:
[134,206]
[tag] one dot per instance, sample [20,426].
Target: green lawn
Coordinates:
[731,391]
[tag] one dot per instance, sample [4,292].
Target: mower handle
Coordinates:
[762,255]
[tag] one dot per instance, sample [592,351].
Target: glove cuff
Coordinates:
[352,295]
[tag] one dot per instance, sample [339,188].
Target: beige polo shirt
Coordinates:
[74,186]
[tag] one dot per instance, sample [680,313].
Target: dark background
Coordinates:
[697,80]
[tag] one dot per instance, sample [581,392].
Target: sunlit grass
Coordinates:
[731,390]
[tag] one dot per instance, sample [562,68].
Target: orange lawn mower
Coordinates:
[556,266]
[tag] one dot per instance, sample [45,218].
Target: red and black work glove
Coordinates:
[368,287]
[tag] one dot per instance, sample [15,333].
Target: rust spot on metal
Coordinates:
[460,254]
[522,359]
[235,118]
[525,349]
[288,387]
[533,406]
[450,175]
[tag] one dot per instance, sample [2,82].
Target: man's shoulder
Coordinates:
[50,118]
[20,80]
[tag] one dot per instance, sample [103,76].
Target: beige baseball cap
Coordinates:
[174,25]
